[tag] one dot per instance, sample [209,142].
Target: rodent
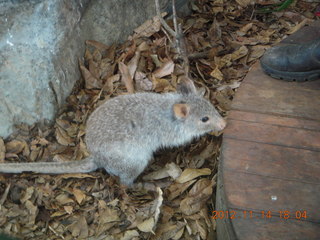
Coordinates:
[124,132]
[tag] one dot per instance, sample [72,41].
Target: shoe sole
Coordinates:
[292,76]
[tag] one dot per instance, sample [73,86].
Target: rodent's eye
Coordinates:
[205,119]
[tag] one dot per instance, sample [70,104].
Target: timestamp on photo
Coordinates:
[246,214]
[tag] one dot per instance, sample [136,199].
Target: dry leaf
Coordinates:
[243,30]
[173,170]
[216,73]
[108,86]
[90,81]
[68,209]
[108,215]
[215,31]
[190,174]
[147,225]
[64,199]
[15,146]
[241,52]
[142,82]
[76,175]
[166,69]
[256,52]
[63,138]
[126,77]
[133,64]
[148,28]
[197,197]
[130,234]
[160,174]
[2,150]
[79,228]
[177,189]
[244,3]
[98,45]
[79,195]
[300,25]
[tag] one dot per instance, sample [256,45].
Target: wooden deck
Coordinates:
[269,173]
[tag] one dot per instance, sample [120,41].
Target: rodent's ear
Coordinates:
[181,110]
[186,86]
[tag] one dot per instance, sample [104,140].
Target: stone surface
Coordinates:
[39,47]
[113,20]
[41,41]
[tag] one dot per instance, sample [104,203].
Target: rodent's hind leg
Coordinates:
[127,170]
[132,172]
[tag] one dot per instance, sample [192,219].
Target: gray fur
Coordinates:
[123,133]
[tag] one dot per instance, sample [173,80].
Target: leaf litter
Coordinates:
[223,39]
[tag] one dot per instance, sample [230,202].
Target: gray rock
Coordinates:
[39,47]
[113,20]
[41,42]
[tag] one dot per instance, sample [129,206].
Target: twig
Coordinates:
[163,22]
[174,16]
[5,194]
[177,34]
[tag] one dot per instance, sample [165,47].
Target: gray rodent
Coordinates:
[124,132]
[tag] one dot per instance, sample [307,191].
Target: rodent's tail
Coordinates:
[82,166]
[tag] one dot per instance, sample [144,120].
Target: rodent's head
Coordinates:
[196,112]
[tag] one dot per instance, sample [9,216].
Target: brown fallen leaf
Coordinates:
[126,78]
[90,81]
[2,150]
[75,175]
[133,63]
[98,45]
[68,209]
[216,73]
[79,228]
[256,52]
[244,3]
[94,69]
[197,197]
[148,28]
[143,83]
[241,52]
[147,225]
[79,195]
[130,234]
[108,86]
[300,25]
[64,198]
[173,170]
[165,70]
[215,31]
[243,30]
[15,146]
[190,174]
[63,138]
[108,215]
[177,189]
[159,174]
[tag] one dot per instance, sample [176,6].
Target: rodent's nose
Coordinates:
[221,124]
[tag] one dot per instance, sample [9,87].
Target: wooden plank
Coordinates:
[257,77]
[275,135]
[256,193]
[273,161]
[274,120]
[257,228]
[260,93]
